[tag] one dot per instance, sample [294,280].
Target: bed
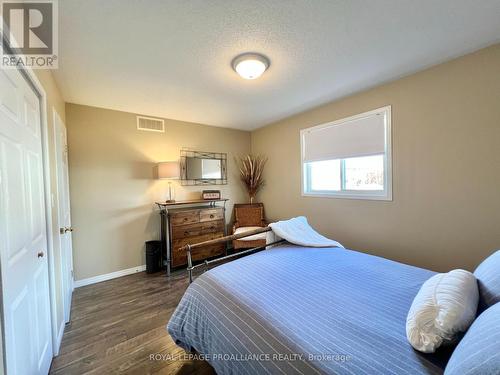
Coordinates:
[293,309]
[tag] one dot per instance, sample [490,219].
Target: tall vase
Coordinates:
[251,199]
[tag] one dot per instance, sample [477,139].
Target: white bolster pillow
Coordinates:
[444,307]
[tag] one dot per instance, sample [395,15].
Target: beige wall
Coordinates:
[445,211]
[112,183]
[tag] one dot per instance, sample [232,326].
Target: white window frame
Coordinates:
[383,195]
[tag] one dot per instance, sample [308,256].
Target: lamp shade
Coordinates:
[168,170]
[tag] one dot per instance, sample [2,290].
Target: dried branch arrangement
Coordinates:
[251,173]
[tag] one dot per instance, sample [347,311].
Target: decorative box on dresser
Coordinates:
[203,220]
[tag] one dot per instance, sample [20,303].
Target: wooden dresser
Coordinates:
[193,225]
[190,225]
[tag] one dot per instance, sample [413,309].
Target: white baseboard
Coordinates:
[60,334]
[109,276]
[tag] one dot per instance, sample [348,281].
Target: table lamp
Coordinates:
[169,170]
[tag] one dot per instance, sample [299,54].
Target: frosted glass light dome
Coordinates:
[250,65]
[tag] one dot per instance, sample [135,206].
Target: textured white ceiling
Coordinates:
[172,58]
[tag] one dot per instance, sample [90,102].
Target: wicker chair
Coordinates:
[248,217]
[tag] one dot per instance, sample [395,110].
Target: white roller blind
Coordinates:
[360,135]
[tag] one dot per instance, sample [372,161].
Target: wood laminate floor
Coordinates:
[117,324]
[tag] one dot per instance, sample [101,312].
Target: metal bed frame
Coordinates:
[189,248]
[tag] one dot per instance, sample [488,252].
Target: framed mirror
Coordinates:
[203,168]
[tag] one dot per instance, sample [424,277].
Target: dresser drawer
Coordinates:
[211,214]
[212,226]
[207,252]
[180,259]
[188,230]
[179,256]
[179,243]
[186,217]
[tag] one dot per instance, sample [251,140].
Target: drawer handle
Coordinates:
[211,216]
[186,233]
[185,219]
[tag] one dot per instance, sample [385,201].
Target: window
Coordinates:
[349,158]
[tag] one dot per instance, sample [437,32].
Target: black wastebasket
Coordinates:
[152,256]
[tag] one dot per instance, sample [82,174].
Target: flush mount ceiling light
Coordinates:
[250,65]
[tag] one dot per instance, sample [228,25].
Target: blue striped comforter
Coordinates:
[297,310]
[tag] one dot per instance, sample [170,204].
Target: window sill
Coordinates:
[381,197]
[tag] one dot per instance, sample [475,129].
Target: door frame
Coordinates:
[56,332]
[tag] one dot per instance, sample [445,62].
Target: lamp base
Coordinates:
[170,198]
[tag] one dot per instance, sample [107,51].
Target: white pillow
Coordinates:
[444,306]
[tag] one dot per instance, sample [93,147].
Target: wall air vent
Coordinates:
[150,124]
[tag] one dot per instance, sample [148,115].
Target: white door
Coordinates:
[65,228]
[23,234]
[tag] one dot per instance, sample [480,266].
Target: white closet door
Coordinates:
[23,241]
[65,229]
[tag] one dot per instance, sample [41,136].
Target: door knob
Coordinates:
[68,229]
[40,254]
